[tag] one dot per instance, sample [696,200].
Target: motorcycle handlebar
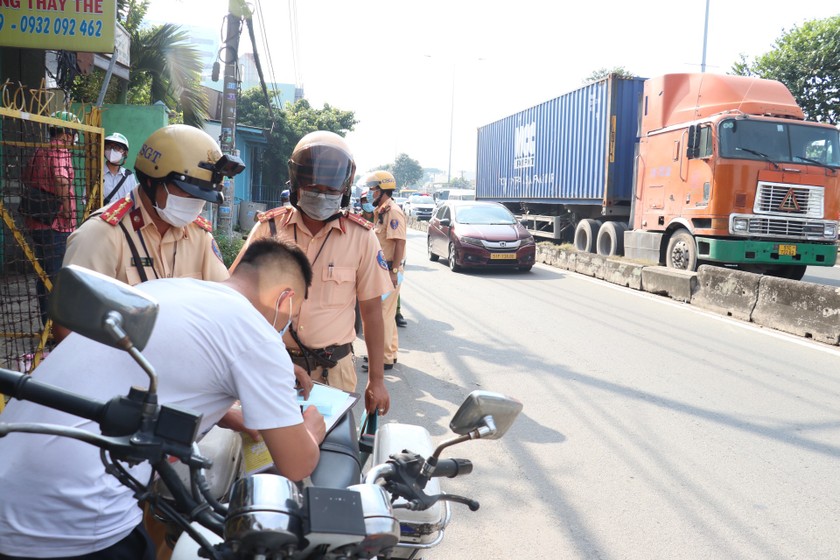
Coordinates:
[451,468]
[23,387]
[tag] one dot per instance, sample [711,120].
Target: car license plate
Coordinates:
[502,256]
[787,250]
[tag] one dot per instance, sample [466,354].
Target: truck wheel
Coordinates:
[682,251]
[453,264]
[586,233]
[432,256]
[611,239]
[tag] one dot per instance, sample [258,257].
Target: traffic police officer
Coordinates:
[156,230]
[390,227]
[347,265]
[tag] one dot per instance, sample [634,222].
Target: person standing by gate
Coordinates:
[117,181]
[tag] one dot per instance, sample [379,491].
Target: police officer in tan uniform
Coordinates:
[156,231]
[347,264]
[390,227]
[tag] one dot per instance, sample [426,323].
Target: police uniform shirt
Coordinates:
[101,245]
[389,225]
[347,263]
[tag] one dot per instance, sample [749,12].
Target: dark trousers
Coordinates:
[49,248]
[136,546]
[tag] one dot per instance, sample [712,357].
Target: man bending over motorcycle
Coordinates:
[213,343]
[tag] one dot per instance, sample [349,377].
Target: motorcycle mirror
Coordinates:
[478,406]
[83,299]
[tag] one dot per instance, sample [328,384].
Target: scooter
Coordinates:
[395,511]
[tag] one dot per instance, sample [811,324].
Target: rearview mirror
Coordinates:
[82,300]
[482,404]
[445,222]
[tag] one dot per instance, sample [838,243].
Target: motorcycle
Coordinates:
[396,510]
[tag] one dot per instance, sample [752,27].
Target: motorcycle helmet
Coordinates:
[66,116]
[284,196]
[187,157]
[322,158]
[117,138]
[380,180]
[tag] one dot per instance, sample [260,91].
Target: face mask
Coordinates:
[277,312]
[180,210]
[367,207]
[319,206]
[114,157]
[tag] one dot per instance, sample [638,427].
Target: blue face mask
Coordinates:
[367,207]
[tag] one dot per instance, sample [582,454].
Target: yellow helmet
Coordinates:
[380,180]
[187,157]
[322,158]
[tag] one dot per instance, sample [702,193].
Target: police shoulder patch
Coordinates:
[117,211]
[217,251]
[263,217]
[380,258]
[204,224]
[394,224]
[358,220]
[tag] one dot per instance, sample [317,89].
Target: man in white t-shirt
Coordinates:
[213,344]
[117,181]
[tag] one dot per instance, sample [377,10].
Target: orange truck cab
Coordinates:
[728,171]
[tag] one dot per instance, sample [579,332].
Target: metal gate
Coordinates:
[64,159]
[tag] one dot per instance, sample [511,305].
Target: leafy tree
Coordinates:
[165,66]
[288,127]
[406,171]
[602,73]
[461,183]
[807,60]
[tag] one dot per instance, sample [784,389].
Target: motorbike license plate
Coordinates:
[502,256]
[787,250]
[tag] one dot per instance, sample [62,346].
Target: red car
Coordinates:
[479,234]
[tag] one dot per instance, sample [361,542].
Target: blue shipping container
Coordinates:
[562,151]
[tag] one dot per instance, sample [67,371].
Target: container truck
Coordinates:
[677,170]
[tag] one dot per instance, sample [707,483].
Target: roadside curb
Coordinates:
[799,308]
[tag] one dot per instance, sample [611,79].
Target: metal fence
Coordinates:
[40,154]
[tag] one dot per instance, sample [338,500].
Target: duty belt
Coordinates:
[327,357]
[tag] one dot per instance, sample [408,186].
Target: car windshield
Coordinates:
[779,142]
[419,199]
[484,215]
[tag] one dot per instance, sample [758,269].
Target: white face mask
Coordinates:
[114,157]
[180,210]
[319,206]
[277,312]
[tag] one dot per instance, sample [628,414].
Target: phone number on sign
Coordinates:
[45,25]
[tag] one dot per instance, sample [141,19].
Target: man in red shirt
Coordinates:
[51,170]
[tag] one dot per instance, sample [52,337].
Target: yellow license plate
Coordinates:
[787,250]
[503,256]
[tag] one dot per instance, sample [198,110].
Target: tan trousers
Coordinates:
[389,314]
[342,376]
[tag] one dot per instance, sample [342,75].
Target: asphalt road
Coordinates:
[830,276]
[650,429]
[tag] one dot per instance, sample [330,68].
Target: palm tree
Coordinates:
[164,67]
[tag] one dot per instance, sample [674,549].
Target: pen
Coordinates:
[330,270]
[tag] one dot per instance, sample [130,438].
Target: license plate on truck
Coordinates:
[503,256]
[787,250]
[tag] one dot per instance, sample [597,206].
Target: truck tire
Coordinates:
[610,241]
[586,233]
[682,251]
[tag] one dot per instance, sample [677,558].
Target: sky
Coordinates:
[417,74]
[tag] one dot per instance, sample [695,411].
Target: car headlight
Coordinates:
[740,225]
[528,240]
[830,230]
[472,241]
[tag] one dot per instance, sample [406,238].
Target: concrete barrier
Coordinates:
[800,308]
[623,273]
[729,292]
[590,265]
[676,284]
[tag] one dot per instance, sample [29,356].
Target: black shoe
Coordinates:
[401,322]
[386,367]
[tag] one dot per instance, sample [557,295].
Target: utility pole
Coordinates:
[230,91]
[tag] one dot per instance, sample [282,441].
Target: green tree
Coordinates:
[807,60]
[289,125]
[165,66]
[602,73]
[406,171]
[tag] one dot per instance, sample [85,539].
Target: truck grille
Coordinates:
[761,226]
[795,200]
